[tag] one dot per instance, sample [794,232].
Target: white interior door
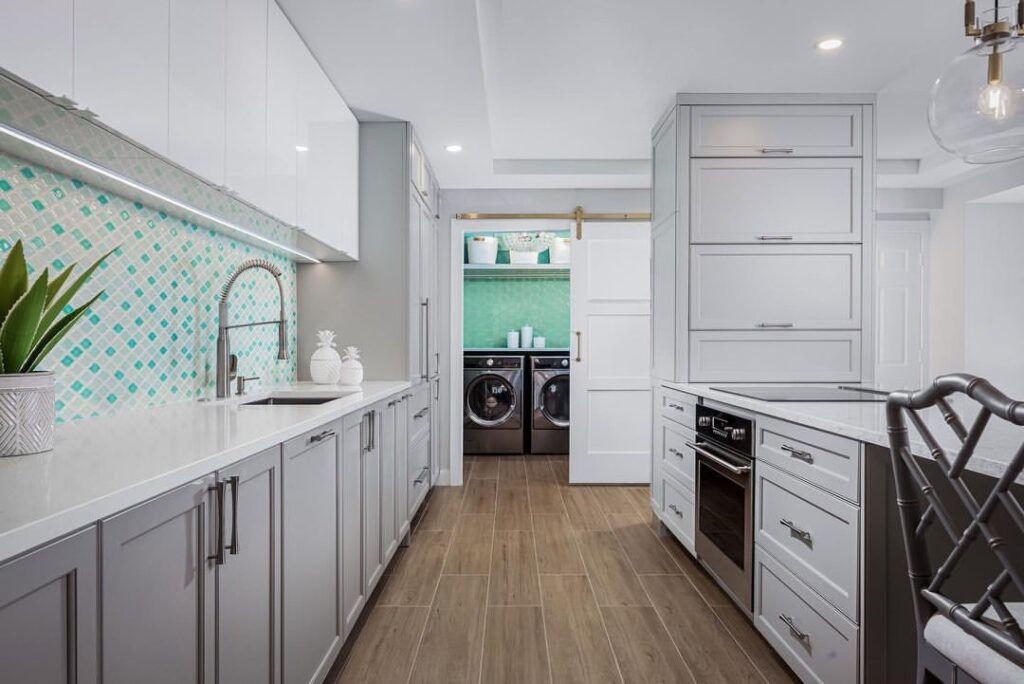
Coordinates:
[610,386]
[900,255]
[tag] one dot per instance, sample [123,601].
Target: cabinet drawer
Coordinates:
[814,534]
[678,459]
[419,475]
[680,512]
[763,131]
[828,461]
[309,439]
[419,413]
[790,356]
[775,200]
[764,287]
[815,640]
[678,406]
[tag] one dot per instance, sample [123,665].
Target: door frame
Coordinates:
[459,228]
[918,225]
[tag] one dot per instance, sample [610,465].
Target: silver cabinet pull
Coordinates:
[579,346]
[796,531]
[373,432]
[776,150]
[793,629]
[767,238]
[218,556]
[420,414]
[677,452]
[425,304]
[734,469]
[321,437]
[234,480]
[798,453]
[677,407]
[422,477]
[364,432]
[774,325]
[672,507]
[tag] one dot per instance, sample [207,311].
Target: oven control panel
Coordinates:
[726,429]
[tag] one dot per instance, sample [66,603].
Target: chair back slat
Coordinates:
[1003,633]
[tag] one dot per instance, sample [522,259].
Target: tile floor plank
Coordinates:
[643,649]
[485,468]
[763,656]
[514,580]
[480,496]
[706,646]
[452,645]
[614,500]
[538,469]
[470,552]
[615,583]
[413,581]
[642,548]
[578,644]
[443,509]
[511,468]
[513,506]
[382,653]
[557,552]
[584,508]
[514,648]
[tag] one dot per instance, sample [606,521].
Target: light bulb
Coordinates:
[995,100]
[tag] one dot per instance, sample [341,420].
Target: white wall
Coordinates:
[993,283]
[510,202]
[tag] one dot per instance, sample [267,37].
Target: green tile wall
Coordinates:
[494,306]
[150,339]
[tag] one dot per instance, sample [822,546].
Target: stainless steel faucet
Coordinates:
[226,361]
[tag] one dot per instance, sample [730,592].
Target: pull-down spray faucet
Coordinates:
[225,359]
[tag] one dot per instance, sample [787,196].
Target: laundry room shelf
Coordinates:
[515,270]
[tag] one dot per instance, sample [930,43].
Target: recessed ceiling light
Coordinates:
[827,44]
[301,148]
[453,148]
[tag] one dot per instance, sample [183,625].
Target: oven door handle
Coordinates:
[734,469]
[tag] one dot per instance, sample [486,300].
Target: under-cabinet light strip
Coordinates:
[156,194]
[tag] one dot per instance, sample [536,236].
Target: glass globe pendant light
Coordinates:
[977,104]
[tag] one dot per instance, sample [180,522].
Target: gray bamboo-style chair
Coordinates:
[959,642]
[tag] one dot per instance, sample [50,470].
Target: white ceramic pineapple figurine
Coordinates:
[325,366]
[351,368]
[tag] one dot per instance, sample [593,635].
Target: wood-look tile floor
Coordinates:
[519,577]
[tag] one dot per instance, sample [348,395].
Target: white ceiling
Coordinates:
[524,82]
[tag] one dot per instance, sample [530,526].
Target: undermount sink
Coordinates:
[291,400]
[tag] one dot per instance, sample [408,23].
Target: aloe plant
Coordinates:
[32,318]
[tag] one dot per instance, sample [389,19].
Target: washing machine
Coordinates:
[549,429]
[493,405]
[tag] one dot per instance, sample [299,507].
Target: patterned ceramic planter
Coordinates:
[27,413]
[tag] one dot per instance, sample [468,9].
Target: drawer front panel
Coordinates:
[677,459]
[793,356]
[768,131]
[828,461]
[419,414]
[768,287]
[678,407]
[775,200]
[814,534]
[815,640]
[419,475]
[680,512]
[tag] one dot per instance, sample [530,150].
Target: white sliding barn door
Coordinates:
[610,388]
[900,253]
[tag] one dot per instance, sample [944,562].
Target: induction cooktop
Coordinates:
[775,393]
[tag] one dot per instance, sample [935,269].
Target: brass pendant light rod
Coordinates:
[577,215]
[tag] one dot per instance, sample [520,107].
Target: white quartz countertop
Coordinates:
[103,465]
[865,422]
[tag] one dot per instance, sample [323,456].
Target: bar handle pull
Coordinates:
[321,436]
[774,325]
[768,238]
[579,346]
[234,480]
[793,629]
[218,556]
[776,150]
[796,531]
[798,453]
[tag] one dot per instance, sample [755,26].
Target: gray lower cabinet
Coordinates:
[353,442]
[249,580]
[311,626]
[48,614]
[157,589]
[401,440]
[389,519]
[373,558]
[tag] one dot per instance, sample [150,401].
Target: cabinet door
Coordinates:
[389,522]
[664,298]
[402,466]
[775,356]
[785,130]
[311,630]
[249,582]
[158,588]
[428,285]
[775,200]
[417,307]
[663,172]
[353,596]
[245,103]
[417,166]
[38,45]
[419,474]
[283,47]
[48,614]
[197,63]
[435,446]
[763,287]
[373,560]
[122,75]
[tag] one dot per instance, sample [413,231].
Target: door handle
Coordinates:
[774,325]
[674,509]
[793,629]
[774,237]
[421,478]
[798,453]
[797,532]
[218,556]
[579,346]
[420,414]
[425,307]
[235,480]
[734,469]
[321,437]
[776,150]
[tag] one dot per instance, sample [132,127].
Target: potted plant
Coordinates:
[32,321]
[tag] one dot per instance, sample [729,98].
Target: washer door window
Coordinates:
[490,400]
[554,400]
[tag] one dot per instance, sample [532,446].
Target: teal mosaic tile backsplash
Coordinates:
[494,306]
[151,338]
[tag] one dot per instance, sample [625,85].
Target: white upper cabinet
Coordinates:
[121,66]
[245,158]
[784,130]
[37,44]
[197,85]
[283,50]
[775,200]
